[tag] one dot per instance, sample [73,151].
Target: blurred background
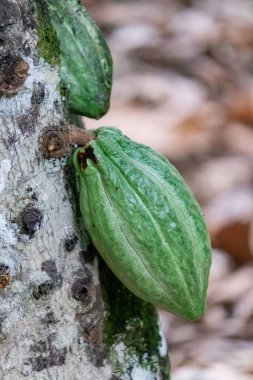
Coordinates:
[183,84]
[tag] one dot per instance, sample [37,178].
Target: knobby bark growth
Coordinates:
[51,306]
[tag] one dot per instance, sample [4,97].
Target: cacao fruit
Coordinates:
[86,62]
[144,222]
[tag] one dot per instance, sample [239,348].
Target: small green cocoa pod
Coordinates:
[145,222]
[86,62]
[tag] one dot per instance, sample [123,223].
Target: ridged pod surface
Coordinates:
[86,62]
[145,222]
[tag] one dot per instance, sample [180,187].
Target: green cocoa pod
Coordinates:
[145,222]
[86,62]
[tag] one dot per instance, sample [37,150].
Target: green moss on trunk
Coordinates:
[130,324]
[48,44]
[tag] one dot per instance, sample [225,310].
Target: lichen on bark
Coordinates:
[46,330]
[51,307]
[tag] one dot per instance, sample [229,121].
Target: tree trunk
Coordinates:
[56,321]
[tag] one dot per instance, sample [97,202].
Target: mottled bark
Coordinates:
[50,302]
[51,307]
